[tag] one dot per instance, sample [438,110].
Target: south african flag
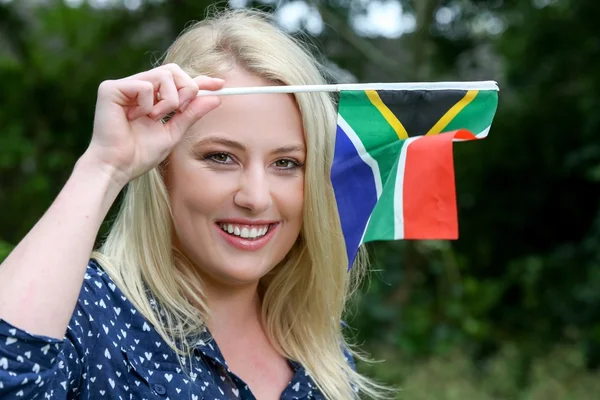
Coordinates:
[393,170]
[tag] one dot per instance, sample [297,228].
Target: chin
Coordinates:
[237,273]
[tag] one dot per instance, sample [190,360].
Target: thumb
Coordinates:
[198,107]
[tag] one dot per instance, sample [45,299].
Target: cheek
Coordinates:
[188,191]
[290,200]
[192,198]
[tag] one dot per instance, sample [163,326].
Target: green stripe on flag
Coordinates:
[371,127]
[477,115]
[366,120]
[383,222]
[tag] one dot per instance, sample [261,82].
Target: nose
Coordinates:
[254,192]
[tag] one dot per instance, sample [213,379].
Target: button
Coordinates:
[160,389]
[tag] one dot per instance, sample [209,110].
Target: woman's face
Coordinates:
[236,185]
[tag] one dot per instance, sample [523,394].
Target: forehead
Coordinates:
[262,118]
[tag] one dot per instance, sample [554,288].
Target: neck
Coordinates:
[232,309]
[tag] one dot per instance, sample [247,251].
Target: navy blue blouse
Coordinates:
[110,351]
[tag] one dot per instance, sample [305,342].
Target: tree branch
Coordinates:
[363,46]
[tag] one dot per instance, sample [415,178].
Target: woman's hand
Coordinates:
[129,137]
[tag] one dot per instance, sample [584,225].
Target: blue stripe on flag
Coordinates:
[355,191]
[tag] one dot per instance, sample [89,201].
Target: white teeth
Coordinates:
[244,231]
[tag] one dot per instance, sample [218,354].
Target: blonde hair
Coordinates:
[305,295]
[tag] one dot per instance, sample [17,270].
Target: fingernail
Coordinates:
[219,80]
[184,106]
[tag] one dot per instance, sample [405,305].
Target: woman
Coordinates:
[224,275]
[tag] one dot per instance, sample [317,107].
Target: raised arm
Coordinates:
[42,277]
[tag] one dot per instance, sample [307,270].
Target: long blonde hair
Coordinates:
[305,295]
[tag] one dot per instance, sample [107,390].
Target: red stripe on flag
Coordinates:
[429,191]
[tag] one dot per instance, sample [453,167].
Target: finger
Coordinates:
[144,92]
[208,83]
[204,83]
[197,108]
[187,88]
[167,97]
[136,97]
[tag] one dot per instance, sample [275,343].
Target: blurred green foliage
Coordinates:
[511,310]
[559,375]
[5,249]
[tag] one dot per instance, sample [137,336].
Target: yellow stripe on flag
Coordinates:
[387,114]
[452,112]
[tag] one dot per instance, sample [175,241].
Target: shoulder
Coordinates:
[106,308]
[99,299]
[96,277]
[99,286]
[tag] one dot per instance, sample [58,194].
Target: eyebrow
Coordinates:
[239,146]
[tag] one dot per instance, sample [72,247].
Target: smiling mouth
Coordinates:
[248,232]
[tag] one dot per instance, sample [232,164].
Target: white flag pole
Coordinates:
[270,90]
[479,85]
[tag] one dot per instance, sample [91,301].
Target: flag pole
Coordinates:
[269,90]
[477,85]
